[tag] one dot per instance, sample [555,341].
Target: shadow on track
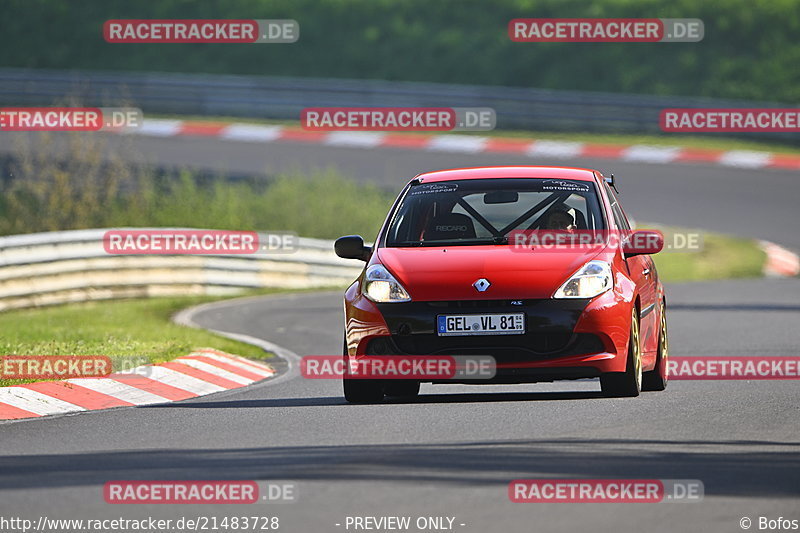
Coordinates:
[481,397]
[721,465]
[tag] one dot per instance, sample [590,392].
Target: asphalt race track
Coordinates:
[453,451]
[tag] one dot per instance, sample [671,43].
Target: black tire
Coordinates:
[656,379]
[629,383]
[360,390]
[402,388]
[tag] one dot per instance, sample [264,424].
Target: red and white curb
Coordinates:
[202,372]
[780,261]
[466,144]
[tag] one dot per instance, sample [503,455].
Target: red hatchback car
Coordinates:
[447,276]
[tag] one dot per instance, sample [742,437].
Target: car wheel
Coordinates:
[628,383]
[360,390]
[402,388]
[656,379]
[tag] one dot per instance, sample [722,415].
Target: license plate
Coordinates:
[493,324]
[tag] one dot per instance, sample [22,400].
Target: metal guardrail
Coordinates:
[71,266]
[284,98]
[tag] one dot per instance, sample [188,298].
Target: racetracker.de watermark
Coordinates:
[398,118]
[424,367]
[606,30]
[203,242]
[170,31]
[729,120]
[69,118]
[199,492]
[733,367]
[54,366]
[606,490]
[642,241]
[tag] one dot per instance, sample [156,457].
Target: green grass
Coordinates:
[668,139]
[130,332]
[721,257]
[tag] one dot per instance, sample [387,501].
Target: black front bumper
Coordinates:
[549,331]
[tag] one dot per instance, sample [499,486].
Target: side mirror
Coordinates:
[611,182]
[352,247]
[643,242]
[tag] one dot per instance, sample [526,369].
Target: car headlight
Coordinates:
[592,279]
[380,286]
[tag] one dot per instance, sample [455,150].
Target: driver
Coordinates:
[560,219]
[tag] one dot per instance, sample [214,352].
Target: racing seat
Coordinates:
[448,227]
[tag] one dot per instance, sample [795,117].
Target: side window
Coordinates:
[619,216]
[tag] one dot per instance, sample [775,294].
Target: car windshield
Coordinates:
[485,211]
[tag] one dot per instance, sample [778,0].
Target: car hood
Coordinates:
[448,273]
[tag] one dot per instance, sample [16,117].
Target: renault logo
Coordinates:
[481,285]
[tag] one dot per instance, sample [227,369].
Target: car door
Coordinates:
[642,273]
[650,318]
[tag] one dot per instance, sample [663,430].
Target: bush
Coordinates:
[82,190]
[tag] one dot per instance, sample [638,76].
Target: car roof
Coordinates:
[580,174]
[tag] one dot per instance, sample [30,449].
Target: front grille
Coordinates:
[549,330]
